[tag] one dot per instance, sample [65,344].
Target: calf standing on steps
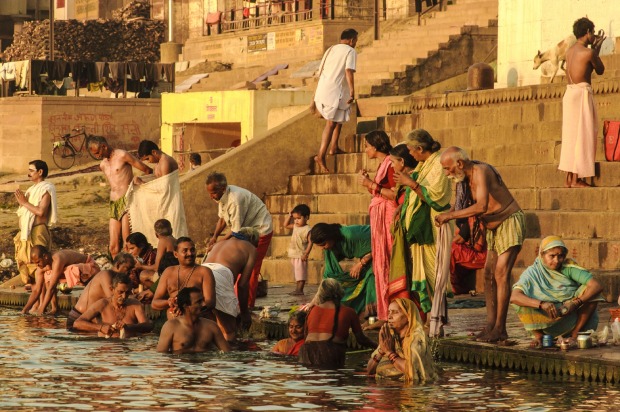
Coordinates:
[555,55]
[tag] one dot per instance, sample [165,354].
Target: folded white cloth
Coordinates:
[225,298]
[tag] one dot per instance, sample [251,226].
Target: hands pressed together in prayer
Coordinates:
[174,307]
[21,197]
[387,343]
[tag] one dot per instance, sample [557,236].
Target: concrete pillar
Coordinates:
[170,52]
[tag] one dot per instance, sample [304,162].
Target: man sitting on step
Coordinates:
[232,261]
[554,296]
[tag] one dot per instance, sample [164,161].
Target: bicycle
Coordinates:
[64,152]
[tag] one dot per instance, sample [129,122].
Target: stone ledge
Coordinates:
[595,365]
[414,104]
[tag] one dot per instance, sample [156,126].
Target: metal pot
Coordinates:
[584,341]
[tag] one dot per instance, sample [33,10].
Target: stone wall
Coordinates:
[30,125]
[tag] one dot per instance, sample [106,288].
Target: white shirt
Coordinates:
[241,208]
[333,88]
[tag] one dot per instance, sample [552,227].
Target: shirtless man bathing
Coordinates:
[117,166]
[505,224]
[186,274]
[190,333]
[99,287]
[74,266]
[232,261]
[121,316]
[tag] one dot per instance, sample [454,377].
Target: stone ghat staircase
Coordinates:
[518,130]
[404,45]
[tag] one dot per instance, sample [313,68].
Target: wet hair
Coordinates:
[348,34]
[251,234]
[166,261]
[218,178]
[379,140]
[195,159]
[184,298]
[40,165]
[163,227]
[423,139]
[138,239]
[146,148]
[39,250]
[121,278]
[330,290]
[299,316]
[124,258]
[302,210]
[97,141]
[402,151]
[323,232]
[456,153]
[582,26]
[183,239]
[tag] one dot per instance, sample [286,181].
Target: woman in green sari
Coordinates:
[428,194]
[348,242]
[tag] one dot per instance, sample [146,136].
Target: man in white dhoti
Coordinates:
[157,196]
[37,211]
[228,260]
[335,91]
[579,117]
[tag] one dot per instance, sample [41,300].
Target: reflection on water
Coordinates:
[44,367]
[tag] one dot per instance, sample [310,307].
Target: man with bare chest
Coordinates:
[100,286]
[186,274]
[149,152]
[579,116]
[232,261]
[505,223]
[189,333]
[121,316]
[117,166]
[74,266]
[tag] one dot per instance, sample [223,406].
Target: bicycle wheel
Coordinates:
[64,156]
[87,144]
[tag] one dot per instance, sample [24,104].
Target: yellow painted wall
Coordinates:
[250,108]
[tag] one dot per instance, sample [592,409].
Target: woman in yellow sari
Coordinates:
[428,194]
[403,351]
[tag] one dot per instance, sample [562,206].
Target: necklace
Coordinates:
[118,311]
[182,285]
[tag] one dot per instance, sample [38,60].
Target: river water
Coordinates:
[43,367]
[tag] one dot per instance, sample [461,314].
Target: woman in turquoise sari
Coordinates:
[554,296]
[348,242]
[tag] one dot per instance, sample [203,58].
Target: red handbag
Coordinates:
[611,133]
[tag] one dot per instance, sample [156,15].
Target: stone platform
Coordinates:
[600,364]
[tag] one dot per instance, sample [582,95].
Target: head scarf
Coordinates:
[418,358]
[551,242]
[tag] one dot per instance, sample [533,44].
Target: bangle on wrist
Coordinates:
[540,305]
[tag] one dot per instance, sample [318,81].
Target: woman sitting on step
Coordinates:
[554,296]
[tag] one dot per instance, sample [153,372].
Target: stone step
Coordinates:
[325,184]
[341,218]
[548,175]
[574,224]
[353,203]
[279,271]
[593,254]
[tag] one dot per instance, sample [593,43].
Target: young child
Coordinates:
[165,243]
[194,161]
[300,245]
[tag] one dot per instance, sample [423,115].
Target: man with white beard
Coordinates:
[505,223]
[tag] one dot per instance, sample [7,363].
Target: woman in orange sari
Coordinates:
[290,346]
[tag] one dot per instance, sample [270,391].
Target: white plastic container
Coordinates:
[615,331]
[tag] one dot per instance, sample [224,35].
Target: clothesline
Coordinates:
[27,74]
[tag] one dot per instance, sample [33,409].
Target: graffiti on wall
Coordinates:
[124,134]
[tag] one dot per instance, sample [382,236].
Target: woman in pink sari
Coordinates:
[381,210]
